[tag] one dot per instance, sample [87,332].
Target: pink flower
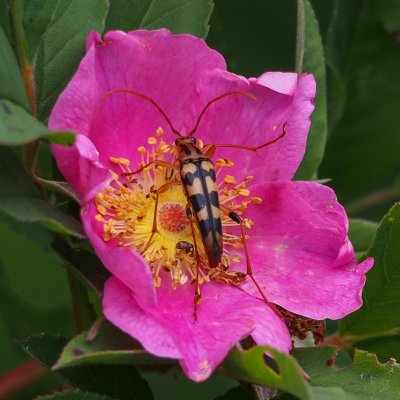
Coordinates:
[297,232]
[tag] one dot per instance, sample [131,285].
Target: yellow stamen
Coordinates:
[256,200]
[244,192]
[126,211]
[159,131]
[229,180]
[120,160]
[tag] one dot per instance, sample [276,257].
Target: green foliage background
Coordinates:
[352,48]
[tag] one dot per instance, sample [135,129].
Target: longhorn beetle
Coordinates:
[199,183]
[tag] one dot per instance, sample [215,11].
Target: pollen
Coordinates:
[159,131]
[229,180]
[256,200]
[152,140]
[145,209]
[244,192]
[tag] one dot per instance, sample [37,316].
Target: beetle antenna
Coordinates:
[215,100]
[149,99]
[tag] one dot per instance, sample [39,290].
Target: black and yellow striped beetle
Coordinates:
[198,179]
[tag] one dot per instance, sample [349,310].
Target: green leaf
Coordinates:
[336,97]
[85,264]
[249,366]
[61,187]
[362,233]
[284,373]
[314,63]
[24,305]
[180,16]
[118,381]
[20,199]
[5,18]
[37,17]
[342,27]
[74,395]
[300,34]
[44,347]
[110,346]
[62,45]
[362,152]
[11,86]
[34,296]
[365,378]
[18,127]
[384,346]
[24,271]
[331,393]
[61,138]
[381,296]
[35,233]
[341,30]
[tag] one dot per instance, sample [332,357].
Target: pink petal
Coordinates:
[155,63]
[300,252]
[122,309]
[123,262]
[239,120]
[80,166]
[225,315]
[281,82]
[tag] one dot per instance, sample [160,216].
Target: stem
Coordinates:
[30,149]
[21,377]
[334,339]
[26,67]
[300,36]
[347,340]
[372,199]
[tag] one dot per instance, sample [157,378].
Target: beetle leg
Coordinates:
[197,294]
[160,163]
[236,218]
[154,229]
[209,150]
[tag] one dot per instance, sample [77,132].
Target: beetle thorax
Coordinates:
[188,149]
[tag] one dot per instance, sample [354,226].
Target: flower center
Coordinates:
[136,213]
[172,218]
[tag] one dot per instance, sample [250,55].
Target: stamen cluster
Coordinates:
[127,210]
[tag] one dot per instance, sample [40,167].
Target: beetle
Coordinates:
[198,179]
[185,246]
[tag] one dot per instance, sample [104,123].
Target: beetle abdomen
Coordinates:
[198,177]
